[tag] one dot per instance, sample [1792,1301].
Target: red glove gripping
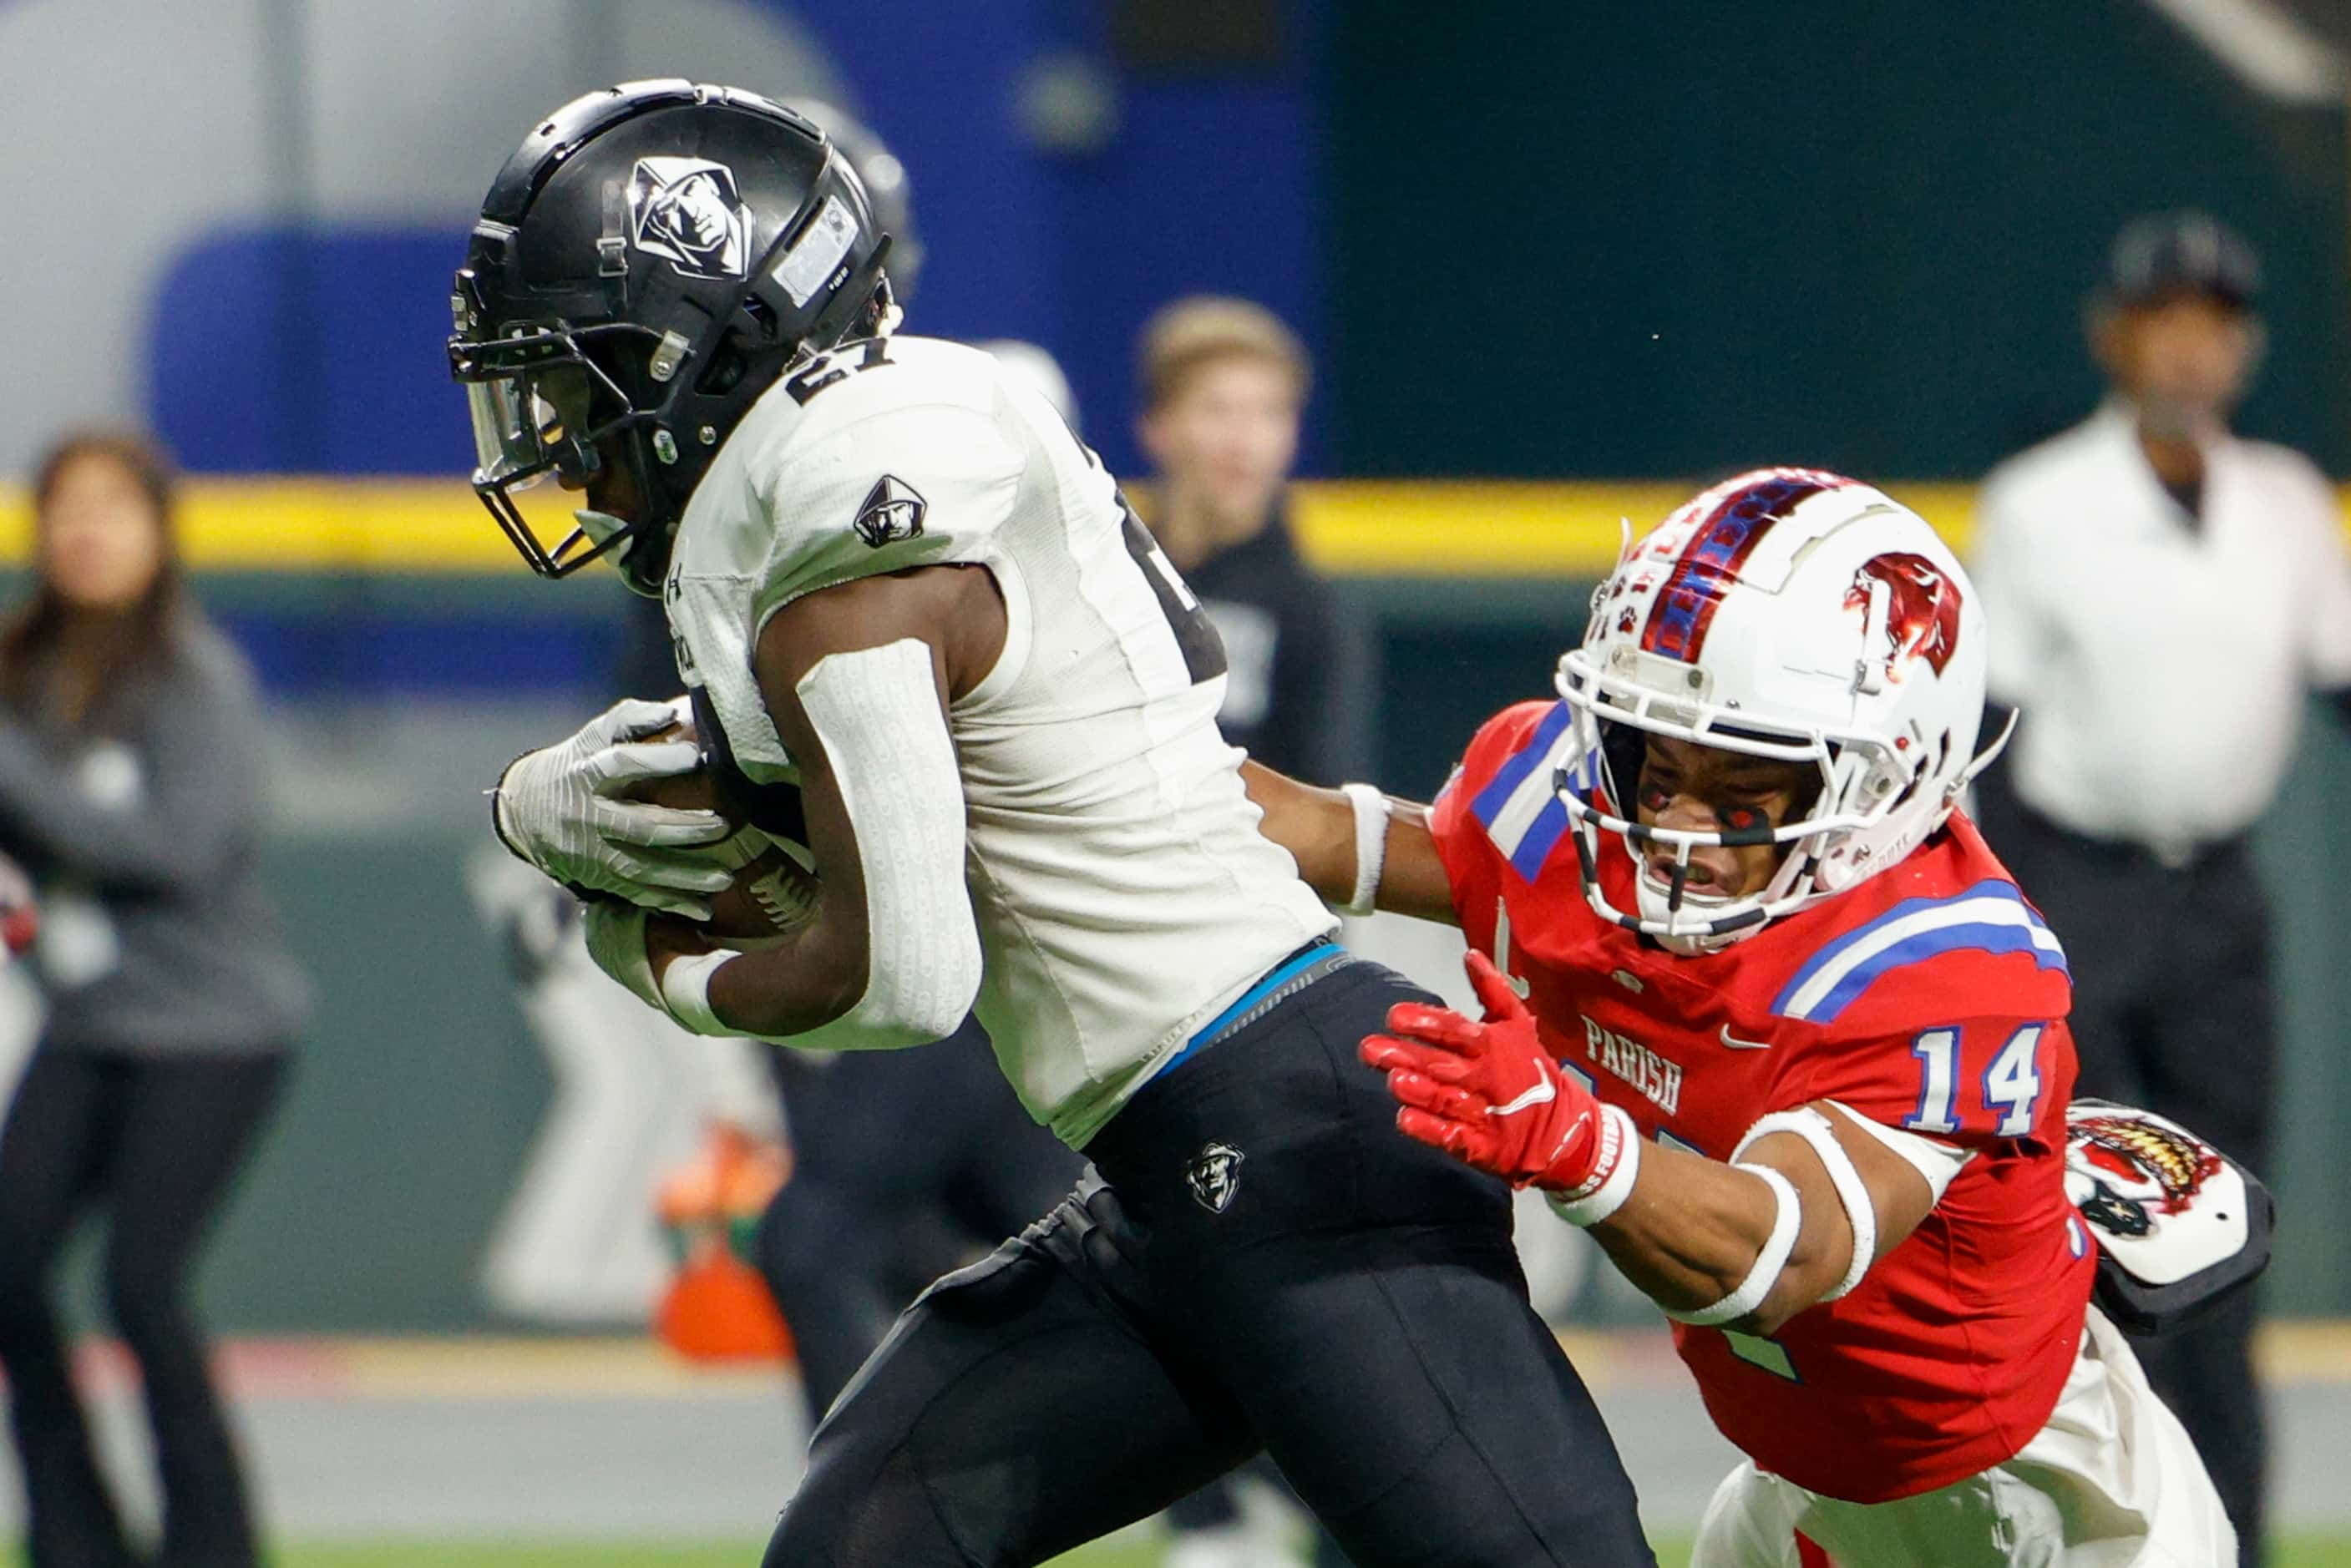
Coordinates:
[1488,1093]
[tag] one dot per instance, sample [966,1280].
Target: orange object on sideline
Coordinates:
[716,1307]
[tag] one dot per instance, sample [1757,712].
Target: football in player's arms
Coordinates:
[1765,1015]
[774,887]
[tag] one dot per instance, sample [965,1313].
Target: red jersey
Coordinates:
[1931,998]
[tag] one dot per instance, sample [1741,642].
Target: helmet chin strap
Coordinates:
[602,525]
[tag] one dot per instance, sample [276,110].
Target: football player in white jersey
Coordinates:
[928,642]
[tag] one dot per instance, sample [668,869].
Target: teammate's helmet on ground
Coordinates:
[647,264]
[1787,614]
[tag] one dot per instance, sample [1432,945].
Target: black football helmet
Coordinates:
[646,265]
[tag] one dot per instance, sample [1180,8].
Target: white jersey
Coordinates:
[1123,893]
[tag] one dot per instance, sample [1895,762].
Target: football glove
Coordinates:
[617,936]
[1488,1093]
[563,810]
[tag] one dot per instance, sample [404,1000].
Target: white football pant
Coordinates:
[2112,1481]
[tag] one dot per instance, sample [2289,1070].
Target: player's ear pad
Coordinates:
[773,808]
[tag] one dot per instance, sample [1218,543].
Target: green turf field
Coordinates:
[2302,1551]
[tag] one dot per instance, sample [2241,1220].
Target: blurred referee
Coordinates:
[2164,594]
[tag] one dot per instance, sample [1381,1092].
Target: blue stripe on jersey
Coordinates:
[1990,916]
[1518,774]
[1542,833]
[1489,800]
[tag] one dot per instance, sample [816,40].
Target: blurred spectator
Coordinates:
[1223,385]
[131,789]
[2163,594]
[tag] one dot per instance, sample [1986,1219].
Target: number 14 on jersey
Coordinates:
[2006,1095]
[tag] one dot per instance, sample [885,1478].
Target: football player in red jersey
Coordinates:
[1765,1015]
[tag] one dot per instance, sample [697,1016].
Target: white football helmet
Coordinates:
[1787,614]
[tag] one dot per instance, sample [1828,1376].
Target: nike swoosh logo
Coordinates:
[1542,1093]
[1736,1043]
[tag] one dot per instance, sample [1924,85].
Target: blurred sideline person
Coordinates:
[1224,382]
[131,789]
[2163,594]
[867,1219]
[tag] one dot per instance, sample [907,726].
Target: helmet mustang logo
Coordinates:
[1925,622]
[687,210]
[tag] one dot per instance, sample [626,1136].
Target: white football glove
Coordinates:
[560,810]
[616,940]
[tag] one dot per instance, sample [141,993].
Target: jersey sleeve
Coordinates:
[879,457]
[902,486]
[1473,863]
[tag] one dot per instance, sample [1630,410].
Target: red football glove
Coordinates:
[1488,1093]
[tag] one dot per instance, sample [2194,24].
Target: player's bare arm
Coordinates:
[1322,829]
[823,972]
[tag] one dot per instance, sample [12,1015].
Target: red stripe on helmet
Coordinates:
[1719,545]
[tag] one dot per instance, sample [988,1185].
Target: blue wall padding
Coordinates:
[310,350]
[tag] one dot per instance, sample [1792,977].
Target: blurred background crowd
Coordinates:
[1387,320]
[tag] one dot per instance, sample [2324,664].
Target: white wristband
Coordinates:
[1768,1262]
[685,991]
[1371,844]
[1859,1211]
[1611,1178]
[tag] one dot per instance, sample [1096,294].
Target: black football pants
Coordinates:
[1351,1306]
[2172,1012]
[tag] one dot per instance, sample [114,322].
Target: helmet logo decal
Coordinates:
[1925,622]
[688,212]
[2151,1161]
[892,509]
[1720,543]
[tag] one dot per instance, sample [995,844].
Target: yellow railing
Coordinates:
[1447,528]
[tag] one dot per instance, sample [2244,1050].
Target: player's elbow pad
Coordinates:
[914,1004]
